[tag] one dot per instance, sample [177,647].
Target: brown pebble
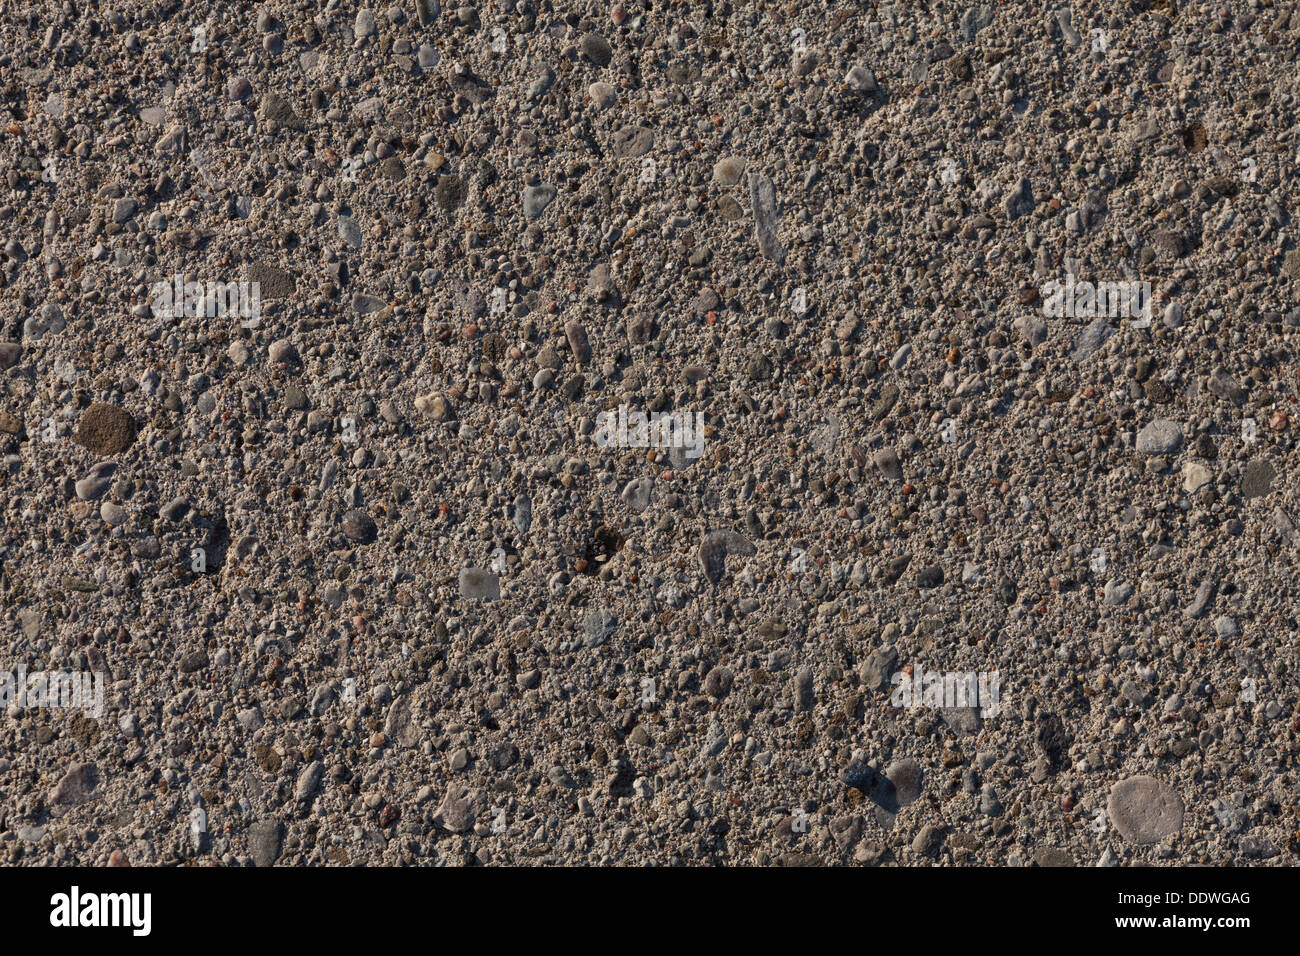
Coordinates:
[106,429]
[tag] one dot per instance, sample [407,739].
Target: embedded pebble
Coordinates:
[1144,809]
[1159,437]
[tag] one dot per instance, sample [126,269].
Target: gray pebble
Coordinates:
[1092,338]
[309,781]
[537,198]
[636,493]
[1159,437]
[359,526]
[96,481]
[1144,810]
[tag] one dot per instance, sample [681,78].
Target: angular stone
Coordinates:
[537,198]
[1091,339]
[1195,477]
[1020,200]
[728,170]
[1204,596]
[928,841]
[578,344]
[1116,593]
[633,141]
[277,112]
[77,786]
[906,777]
[860,79]
[1226,387]
[399,727]
[458,809]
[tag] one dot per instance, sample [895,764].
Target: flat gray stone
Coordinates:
[1032,328]
[426,11]
[636,493]
[990,805]
[1020,200]
[77,786]
[350,232]
[458,809]
[399,727]
[579,346]
[728,170]
[96,482]
[1204,595]
[715,547]
[1091,339]
[1285,527]
[597,626]
[1160,437]
[633,141]
[974,20]
[124,209]
[906,777]
[1144,810]
[1116,593]
[762,195]
[1226,387]
[365,304]
[264,841]
[277,112]
[309,780]
[803,689]
[537,198]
